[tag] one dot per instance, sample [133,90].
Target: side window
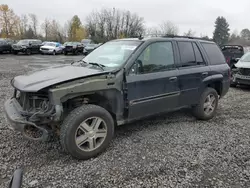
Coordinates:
[157,57]
[187,54]
[198,56]
[214,53]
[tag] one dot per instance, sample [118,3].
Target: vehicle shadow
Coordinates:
[154,122]
[242,87]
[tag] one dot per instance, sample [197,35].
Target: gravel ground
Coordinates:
[173,150]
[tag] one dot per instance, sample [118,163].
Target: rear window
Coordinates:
[214,53]
[232,49]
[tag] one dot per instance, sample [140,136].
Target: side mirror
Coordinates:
[237,59]
[16,180]
[137,67]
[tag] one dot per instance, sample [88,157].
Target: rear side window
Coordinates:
[187,54]
[214,53]
[190,54]
[198,56]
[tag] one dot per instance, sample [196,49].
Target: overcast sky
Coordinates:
[199,15]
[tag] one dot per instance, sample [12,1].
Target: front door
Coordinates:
[153,81]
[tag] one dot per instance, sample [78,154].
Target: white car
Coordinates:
[51,48]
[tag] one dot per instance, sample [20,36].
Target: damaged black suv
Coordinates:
[119,82]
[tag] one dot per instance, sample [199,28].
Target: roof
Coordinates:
[176,38]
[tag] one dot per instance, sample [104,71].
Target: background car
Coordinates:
[90,47]
[27,46]
[5,45]
[73,47]
[233,53]
[85,42]
[241,72]
[51,48]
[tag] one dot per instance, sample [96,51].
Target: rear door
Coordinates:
[152,82]
[192,70]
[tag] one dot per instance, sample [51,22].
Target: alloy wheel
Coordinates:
[90,134]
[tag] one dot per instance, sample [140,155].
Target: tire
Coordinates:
[15,52]
[28,52]
[199,110]
[65,53]
[70,129]
[54,52]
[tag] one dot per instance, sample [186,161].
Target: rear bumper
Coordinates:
[70,50]
[225,88]
[18,122]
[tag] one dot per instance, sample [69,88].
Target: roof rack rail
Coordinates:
[188,37]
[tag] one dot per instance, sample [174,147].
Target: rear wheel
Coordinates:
[206,109]
[65,53]
[87,131]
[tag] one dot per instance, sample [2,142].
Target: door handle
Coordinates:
[171,79]
[204,73]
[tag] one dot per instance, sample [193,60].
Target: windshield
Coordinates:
[23,42]
[112,54]
[49,44]
[246,57]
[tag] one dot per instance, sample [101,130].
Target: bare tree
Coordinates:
[46,28]
[23,25]
[169,28]
[190,33]
[113,23]
[34,23]
[8,21]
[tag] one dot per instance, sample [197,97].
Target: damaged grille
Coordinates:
[33,102]
[244,71]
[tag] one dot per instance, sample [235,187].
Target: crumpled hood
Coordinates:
[241,64]
[38,80]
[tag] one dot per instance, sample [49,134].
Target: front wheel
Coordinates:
[28,52]
[87,131]
[206,109]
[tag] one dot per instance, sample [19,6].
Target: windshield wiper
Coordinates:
[97,64]
[79,61]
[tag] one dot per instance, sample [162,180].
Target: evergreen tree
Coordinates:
[221,32]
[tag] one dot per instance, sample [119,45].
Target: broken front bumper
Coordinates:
[19,123]
[241,79]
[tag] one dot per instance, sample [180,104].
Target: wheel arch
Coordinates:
[215,82]
[108,99]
